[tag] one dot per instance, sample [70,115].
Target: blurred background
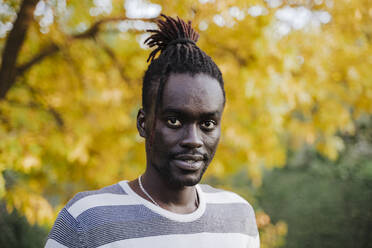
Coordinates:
[297,128]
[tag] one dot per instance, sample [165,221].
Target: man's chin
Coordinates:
[183,181]
[180,179]
[190,182]
[191,179]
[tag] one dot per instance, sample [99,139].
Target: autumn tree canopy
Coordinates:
[296,72]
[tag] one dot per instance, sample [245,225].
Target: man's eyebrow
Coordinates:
[208,114]
[180,111]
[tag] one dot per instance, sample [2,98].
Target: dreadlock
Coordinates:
[175,40]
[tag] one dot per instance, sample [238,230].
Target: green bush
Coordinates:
[15,231]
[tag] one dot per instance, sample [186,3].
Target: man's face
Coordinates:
[187,128]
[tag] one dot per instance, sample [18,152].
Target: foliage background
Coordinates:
[298,79]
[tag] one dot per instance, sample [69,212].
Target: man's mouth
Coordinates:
[189,162]
[189,157]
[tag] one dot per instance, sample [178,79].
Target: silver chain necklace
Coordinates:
[145,192]
[152,199]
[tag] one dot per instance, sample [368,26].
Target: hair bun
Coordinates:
[171,31]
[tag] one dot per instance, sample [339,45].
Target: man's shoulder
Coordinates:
[230,208]
[221,196]
[112,195]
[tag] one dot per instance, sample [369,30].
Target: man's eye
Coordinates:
[173,122]
[208,125]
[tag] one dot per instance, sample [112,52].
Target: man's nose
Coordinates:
[191,138]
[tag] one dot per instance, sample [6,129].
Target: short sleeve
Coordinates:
[66,232]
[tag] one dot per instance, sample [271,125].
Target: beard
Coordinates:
[179,179]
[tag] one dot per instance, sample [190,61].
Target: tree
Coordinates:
[325,203]
[15,231]
[71,89]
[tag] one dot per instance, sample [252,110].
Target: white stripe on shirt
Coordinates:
[99,200]
[200,240]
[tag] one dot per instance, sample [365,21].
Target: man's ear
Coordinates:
[141,126]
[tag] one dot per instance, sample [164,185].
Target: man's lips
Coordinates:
[189,162]
[188,157]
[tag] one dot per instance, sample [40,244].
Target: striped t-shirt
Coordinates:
[116,216]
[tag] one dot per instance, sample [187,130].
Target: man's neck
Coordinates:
[182,200]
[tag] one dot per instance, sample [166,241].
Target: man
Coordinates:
[183,99]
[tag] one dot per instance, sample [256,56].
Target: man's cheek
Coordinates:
[212,143]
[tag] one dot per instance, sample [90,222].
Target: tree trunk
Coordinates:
[13,44]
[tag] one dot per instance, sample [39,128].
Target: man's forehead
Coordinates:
[185,93]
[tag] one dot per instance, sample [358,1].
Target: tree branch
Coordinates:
[93,30]
[35,105]
[46,107]
[13,44]
[54,48]
[9,72]
[47,51]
